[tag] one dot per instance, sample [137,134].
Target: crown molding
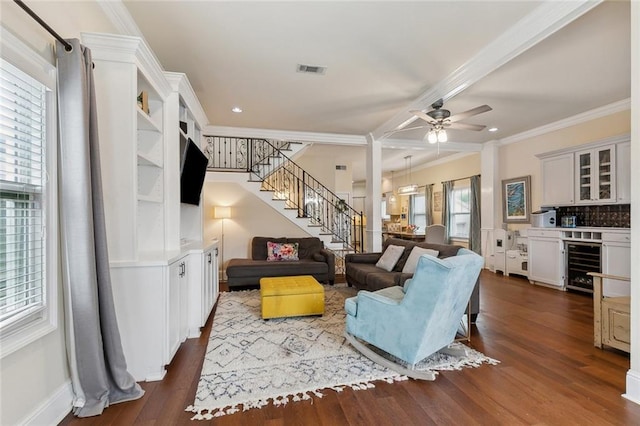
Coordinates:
[593,114]
[180,83]
[123,48]
[120,17]
[111,47]
[288,135]
[545,20]
[612,140]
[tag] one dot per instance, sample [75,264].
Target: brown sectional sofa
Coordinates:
[315,260]
[362,273]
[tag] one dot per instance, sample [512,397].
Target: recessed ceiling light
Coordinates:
[493,129]
[236,109]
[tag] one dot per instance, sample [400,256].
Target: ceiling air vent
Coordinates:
[311,69]
[341,167]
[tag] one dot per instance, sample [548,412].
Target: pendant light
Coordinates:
[412,188]
[392,197]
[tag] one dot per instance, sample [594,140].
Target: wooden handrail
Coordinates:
[611,277]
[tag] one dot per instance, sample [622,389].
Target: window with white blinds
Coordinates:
[22,184]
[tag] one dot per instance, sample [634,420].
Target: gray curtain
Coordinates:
[98,368]
[447,190]
[428,204]
[475,243]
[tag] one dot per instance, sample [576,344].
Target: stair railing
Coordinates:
[266,162]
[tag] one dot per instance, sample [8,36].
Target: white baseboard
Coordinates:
[633,387]
[193,333]
[54,409]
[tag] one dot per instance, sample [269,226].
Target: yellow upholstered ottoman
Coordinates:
[291,296]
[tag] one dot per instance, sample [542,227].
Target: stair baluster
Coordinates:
[266,162]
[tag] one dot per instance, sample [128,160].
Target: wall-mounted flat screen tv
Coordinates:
[193,168]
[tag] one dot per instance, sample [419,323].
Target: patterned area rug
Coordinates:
[250,362]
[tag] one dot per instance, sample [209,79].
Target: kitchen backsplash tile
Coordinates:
[607,216]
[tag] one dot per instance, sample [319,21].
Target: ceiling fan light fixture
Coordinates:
[432,137]
[442,135]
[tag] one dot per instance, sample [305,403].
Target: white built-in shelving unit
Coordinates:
[162,271]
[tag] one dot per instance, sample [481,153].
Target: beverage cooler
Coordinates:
[582,258]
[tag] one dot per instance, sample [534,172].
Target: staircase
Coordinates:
[264,168]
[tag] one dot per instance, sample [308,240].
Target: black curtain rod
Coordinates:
[455,180]
[31,13]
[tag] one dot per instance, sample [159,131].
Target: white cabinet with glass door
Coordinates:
[595,175]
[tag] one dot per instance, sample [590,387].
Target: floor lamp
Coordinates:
[222,212]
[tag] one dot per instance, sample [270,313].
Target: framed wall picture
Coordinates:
[516,200]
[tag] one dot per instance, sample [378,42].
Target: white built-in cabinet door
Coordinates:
[558,180]
[623,172]
[546,261]
[177,306]
[143,298]
[210,290]
[616,260]
[203,287]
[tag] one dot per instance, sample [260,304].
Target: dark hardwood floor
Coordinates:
[550,373]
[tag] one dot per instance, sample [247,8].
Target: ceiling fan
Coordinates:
[440,119]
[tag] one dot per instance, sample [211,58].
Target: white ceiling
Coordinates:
[383,59]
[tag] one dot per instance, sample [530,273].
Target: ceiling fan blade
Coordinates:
[423,115]
[390,132]
[465,126]
[470,113]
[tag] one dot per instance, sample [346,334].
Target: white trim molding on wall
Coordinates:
[36,326]
[593,114]
[633,375]
[53,410]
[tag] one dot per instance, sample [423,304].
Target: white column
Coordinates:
[633,375]
[489,199]
[373,200]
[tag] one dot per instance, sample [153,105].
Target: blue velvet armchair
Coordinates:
[419,319]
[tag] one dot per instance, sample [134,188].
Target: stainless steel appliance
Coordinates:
[543,219]
[582,258]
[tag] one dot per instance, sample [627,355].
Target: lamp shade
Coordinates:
[442,135]
[221,212]
[432,137]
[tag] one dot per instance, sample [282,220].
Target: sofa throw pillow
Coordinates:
[414,256]
[390,257]
[282,251]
